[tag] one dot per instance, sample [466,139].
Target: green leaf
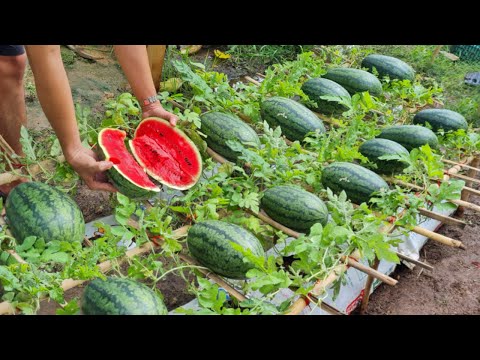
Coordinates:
[26,143]
[71,308]
[27,244]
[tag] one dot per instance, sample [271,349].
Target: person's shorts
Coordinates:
[11,50]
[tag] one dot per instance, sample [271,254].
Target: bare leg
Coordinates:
[12,99]
[12,106]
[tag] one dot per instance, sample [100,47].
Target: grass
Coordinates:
[68,56]
[256,55]
[449,75]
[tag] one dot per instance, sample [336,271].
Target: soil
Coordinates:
[94,204]
[451,288]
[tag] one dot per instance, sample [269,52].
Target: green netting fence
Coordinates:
[466,52]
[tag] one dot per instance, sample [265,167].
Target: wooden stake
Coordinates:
[438,237]
[215,156]
[443,218]
[466,205]
[475,169]
[267,219]
[471,173]
[469,179]
[253,81]
[413,261]
[371,272]
[367,289]
[17,257]
[5,146]
[232,291]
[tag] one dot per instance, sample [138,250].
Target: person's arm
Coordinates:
[55,96]
[134,62]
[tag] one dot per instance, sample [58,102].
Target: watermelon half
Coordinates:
[126,175]
[166,153]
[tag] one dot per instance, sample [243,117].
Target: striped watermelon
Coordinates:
[221,127]
[355,80]
[37,209]
[410,136]
[445,119]
[295,119]
[318,87]
[210,242]
[389,66]
[166,153]
[294,207]
[375,148]
[358,182]
[117,296]
[126,175]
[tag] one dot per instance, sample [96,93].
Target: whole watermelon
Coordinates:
[117,296]
[38,209]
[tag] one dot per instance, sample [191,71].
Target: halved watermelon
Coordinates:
[166,153]
[126,175]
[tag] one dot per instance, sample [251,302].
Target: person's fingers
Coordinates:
[171,118]
[101,166]
[97,185]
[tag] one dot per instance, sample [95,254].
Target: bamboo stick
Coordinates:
[413,261]
[232,291]
[8,151]
[461,165]
[463,177]
[471,173]
[466,205]
[253,81]
[371,272]
[367,289]
[261,75]
[215,156]
[438,237]
[300,304]
[16,256]
[443,218]
[265,218]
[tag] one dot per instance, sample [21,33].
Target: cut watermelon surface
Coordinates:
[167,154]
[126,174]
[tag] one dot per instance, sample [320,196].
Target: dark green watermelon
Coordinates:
[358,182]
[210,242]
[294,207]
[117,296]
[37,209]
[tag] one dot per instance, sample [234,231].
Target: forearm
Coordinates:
[54,94]
[134,62]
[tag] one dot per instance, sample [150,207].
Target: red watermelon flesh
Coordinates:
[113,144]
[167,154]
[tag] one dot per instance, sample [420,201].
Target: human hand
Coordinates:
[157,110]
[85,162]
